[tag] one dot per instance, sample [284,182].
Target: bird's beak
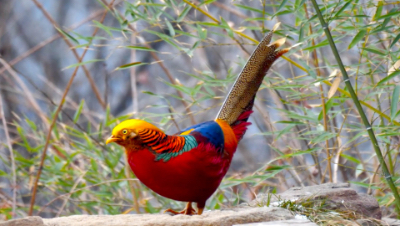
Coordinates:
[112,139]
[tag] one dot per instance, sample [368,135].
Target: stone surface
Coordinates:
[335,197]
[390,221]
[27,221]
[292,222]
[217,217]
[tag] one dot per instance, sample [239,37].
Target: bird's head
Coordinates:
[128,132]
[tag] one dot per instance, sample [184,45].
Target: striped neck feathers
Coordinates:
[137,134]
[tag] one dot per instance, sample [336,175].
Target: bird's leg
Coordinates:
[200,207]
[187,211]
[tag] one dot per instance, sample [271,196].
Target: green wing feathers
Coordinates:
[241,97]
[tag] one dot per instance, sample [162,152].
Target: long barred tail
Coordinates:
[238,105]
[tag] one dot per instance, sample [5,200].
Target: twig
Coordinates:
[25,90]
[69,194]
[49,40]
[133,78]
[84,188]
[323,105]
[87,73]
[14,172]
[53,122]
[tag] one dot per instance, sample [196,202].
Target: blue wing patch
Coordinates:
[211,131]
[207,132]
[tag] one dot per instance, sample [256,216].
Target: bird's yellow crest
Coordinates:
[132,125]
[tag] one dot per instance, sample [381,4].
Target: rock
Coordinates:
[292,222]
[336,197]
[216,217]
[27,221]
[390,221]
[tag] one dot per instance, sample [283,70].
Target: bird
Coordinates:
[189,166]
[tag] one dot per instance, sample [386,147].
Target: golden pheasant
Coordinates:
[189,165]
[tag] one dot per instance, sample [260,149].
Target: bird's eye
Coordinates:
[124,131]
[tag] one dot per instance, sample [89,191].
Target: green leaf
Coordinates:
[183,13]
[249,8]
[395,40]
[350,158]
[83,63]
[227,28]
[391,14]
[78,112]
[395,100]
[141,48]
[170,28]
[202,32]
[104,28]
[291,122]
[323,137]
[134,64]
[374,50]
[378,11]
[68,35]
[283,3]
[360,35]
[342,9]
[284,131]
[393,74]
[164,37]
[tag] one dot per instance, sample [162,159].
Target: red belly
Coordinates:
[192,176]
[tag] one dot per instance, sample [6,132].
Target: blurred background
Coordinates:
[81,66]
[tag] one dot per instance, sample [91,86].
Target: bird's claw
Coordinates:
[189,210]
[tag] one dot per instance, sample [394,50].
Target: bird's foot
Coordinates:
[189,210]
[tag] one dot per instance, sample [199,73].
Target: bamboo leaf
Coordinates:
[283,3]
[334,87]
[393,74]
[68,35]
[78,111]
[360,35]
[342,9]
[376,51]
[134,64]
[395,100]
[395,40]
[351,158]
[141,48]
[249,8]
[170,28]
[104,28]
[391,14]
[82,63]
[378,11]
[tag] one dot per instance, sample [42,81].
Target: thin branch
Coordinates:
[53,122]
[87,73]
[13,169]
[50,40]
[84,188]
[323,105]
[69,194]
[26,91]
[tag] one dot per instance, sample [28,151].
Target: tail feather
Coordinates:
[239,102]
